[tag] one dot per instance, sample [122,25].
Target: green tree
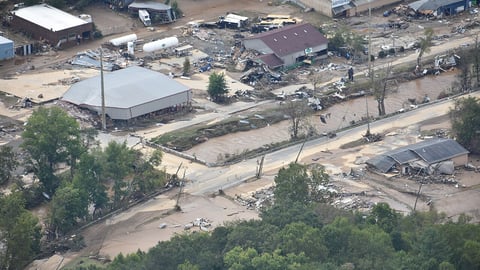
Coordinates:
[384,216]
[370,248]
[299,183]
[297,112]
[8,163]
[88,179]
[147,178]
[19,233]
[186,67]
[51,137]
[217,87]
[240,259]
[425,44]
[300,238]
[67,207]
[188,266]
[119,161]
[471,255]
[464,65]
[465,117]
[356,43]
[476,61]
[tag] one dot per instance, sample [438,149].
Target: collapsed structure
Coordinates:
[426,157]
[287,46]
[439,8]
[158,13]
[129,93]
[44,22]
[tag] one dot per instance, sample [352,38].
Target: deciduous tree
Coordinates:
[119,161]
[297,112]
[425,44]
[51,137]
[19,233]
[465,118]
[300,183]
[67,207]
[8,163]
[217,87]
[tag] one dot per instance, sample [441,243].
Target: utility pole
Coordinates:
[260,167]
[367,135]
[104,119]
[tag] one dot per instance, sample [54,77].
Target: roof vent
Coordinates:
[295,34]
[305,30]
[285,37]
[274,39]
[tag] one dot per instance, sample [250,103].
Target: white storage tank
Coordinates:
[160,44]
[123,40]
[130,47]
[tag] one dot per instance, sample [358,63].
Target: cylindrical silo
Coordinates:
[160,44]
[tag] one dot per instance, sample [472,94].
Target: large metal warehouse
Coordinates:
[44,22]
[129,93]
[6,49]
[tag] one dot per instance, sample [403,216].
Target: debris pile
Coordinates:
[202,223]
[257,200]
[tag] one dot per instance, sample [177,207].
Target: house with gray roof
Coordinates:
[430,156]
[44,22]
[129,93]
[288,45]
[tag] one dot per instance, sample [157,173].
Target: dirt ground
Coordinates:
[139,227]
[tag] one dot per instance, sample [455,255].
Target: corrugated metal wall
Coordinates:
[6,50]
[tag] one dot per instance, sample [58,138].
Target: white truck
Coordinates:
[144,17]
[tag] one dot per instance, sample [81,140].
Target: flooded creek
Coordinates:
[341,116]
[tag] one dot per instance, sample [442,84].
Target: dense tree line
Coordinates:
[465,117]
[301,232]
[74,175]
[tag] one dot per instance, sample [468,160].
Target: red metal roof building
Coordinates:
[288,45]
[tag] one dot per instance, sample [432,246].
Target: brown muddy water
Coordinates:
[342,114]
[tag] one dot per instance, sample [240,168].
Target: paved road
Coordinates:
[207,179]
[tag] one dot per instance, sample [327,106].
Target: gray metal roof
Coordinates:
[382,163]
[124,88]
[149,5]
[432,4]
[4,40]
[431,151]
[49,17]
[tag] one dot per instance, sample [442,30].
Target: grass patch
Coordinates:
[184,139]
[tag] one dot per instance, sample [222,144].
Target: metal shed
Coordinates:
[129,93]
[6,49]
[429,152]
[44,22]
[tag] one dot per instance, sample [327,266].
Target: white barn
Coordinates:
[129,93]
